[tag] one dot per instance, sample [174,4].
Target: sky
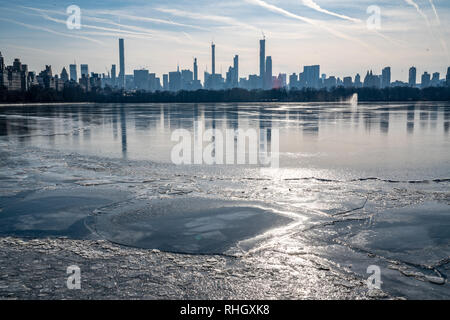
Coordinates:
[342,36]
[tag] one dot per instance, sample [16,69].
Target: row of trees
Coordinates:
[77,94]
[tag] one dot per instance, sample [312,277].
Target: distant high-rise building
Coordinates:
[15,77]
[268,77]
[330,82]
[425,80]
[73,72]
[2,71]
[262,61]
[187,77]
[386,77]
[358,83]
[141,79]
[121,63]
[235,80]
[232,76]
[293,81]
[158,84]
[46,78]
[412,80]
[435,79]
[447,78]
[371,80]
[279,81]
[195,70]
[348,82]
[311,76]
[229,77]
[113,75]
[64,75]
[175,81]
[282,77]
[213,58]
[2,63]
[152,85]
[165,82]
[84,70]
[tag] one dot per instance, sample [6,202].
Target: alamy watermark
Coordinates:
[374,280]
[229,146]
[374,20]
[74,19]
[74,279]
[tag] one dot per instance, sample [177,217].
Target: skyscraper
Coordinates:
[165,82]
[121,64]
[64,75]
[447,78]
[2,70]
[268,77]
[312,76]
[113,75]
[262,61]
[187,77]
[386,77]
[358,83]
[412,77]
[84,70]
[293,81]
[213,58]
[236,71]
[425,80]
[435,79]
[141,79]
[73,72]
[175,81]
[371,80]
[347,81]
[2,63]
[195,70]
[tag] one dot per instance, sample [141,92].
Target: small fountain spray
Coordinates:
[354,100]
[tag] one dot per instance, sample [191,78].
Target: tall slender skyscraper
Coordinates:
[447,78]
[195,70]
[268,78]
[213,51]
[2,63]
[73,72]
[165,81]
[121,64]
[262,61]
[412,77]
[2,70]
[113,75]
[235,80]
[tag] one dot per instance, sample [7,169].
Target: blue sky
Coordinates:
[161,34]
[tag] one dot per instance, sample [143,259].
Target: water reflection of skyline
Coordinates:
[78,123]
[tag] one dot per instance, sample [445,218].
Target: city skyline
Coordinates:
[18,77]
[160,37]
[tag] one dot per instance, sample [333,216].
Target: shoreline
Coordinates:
[218,102]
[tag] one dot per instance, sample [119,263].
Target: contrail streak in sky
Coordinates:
[415,5]
[435,12]
[313,22]
[313,5]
